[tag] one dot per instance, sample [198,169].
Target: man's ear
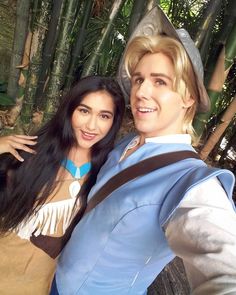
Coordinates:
[188,101]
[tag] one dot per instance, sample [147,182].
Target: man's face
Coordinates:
[156,107]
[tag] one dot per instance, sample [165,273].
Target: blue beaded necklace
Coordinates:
[76,172]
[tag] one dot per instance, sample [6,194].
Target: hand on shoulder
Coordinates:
[12,143]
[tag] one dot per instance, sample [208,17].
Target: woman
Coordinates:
[41,195]
[182,209]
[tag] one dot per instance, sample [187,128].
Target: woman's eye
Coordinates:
[83,110]
[105,116]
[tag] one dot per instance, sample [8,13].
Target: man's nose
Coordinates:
[144,90]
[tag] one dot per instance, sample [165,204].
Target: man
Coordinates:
[182,209]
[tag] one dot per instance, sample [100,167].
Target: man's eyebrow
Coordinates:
[161,75]
[138,74]
[101,111]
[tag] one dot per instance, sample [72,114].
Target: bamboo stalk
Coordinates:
[79,42]
[91,63]
[13,114]
[60,62]
[39,33]
[223,65]
[225,29]
[209,17]
[50,42]
[22,19]
[149,4]
[216,135]
[135,16]
[231,142]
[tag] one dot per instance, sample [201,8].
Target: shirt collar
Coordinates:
[174,138]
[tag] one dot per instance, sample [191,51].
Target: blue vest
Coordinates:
[120,246]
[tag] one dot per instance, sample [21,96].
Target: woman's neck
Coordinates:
[79,156]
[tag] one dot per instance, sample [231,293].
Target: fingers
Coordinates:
[12,143]
[22,146]
[25,139]
[16,155]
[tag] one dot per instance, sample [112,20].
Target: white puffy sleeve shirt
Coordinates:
[202,231]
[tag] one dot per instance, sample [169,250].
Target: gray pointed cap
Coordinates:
[155,23]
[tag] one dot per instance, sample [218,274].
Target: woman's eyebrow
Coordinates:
[101,111]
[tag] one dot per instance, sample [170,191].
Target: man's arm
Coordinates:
[202,232]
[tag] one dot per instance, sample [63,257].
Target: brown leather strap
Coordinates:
[53,245]
[141,168]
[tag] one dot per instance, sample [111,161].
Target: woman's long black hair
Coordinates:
[24,187]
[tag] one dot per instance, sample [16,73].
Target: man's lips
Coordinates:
[145,110]
[142,111]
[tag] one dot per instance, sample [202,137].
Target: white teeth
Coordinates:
[146,110]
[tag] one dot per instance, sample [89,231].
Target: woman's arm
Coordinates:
[12,143]
[203,233]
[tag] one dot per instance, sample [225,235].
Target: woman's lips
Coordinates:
[88,135]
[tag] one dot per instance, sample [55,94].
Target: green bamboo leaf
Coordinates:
[6,100]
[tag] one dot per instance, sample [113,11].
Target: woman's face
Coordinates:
[93,118]
[157,108]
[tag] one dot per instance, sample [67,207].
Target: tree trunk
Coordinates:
[79,42]
[21,28]
[216,135]
[224,62]
[208,20]
[89,66]
[39,33]
[135,16]
[62,52]
[150,4]
[13,113]
[231,141]
[48,52]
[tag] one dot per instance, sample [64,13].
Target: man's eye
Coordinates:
[137,80]
[160,82]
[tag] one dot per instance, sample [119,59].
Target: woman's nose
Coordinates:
[91,123]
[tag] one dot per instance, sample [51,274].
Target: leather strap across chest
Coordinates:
[54,245]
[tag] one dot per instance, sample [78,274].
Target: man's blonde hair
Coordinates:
[185,80]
